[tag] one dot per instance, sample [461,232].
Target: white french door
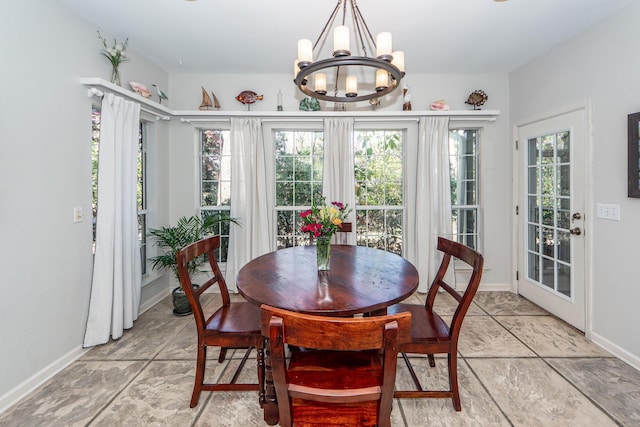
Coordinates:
[551,210]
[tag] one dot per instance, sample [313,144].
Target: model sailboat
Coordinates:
[206,101]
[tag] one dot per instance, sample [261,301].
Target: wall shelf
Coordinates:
[188,116]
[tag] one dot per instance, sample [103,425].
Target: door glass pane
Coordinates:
[532,151]
[534,239]
[548,273]
[547,150]
[564,180]
[534,206]
[548,242]
[533,180]
[562,149]
[564,246]
[564,279]
[546,178]
[534,267]
[564,220]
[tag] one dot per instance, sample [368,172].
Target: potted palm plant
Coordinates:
[173,238]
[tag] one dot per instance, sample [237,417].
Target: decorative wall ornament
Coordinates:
[248,97]
[477,98]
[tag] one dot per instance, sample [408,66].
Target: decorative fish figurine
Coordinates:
[248,97]
[477,98]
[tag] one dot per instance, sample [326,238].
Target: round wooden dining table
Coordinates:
[360,280]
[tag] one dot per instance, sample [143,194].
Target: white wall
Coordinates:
[45,171]
[601,66]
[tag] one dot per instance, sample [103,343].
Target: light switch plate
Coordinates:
[608,211]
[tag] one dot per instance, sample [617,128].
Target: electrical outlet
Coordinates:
[77,215]
[608,211]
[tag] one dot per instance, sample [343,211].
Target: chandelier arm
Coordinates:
[327,24]
[357,26]
[356,10]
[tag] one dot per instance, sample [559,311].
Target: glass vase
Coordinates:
[323,253]
[115,75]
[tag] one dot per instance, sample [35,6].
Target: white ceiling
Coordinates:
[259,36]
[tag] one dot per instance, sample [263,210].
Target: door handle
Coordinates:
[576,216]
[575,231]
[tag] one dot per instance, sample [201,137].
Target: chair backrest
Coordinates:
[208,247]
[475,260]
[380,333]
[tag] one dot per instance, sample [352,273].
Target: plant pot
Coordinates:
[181,305]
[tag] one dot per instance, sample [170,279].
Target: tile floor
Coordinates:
[519,366]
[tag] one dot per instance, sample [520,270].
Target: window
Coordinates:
[379,193]
[298,159]
[141,193]
[463,163]
[95,150]
[215,185]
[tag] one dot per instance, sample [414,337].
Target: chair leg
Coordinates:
[432,360]
[223,354]
[199,380]
[453,380]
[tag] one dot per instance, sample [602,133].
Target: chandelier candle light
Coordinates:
[388,65]
[322,222]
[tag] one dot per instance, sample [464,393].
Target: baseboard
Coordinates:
[31,383]
[616,350]
[154,299]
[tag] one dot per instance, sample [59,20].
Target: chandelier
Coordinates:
[386,68]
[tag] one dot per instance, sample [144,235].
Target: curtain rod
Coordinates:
[91,92]
[472,119]
[223,119]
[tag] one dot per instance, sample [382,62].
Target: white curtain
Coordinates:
[249,202]
[338,181]
[429,208]
[116,284]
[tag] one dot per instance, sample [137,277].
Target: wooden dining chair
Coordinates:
[228,326]
[430,334]
[348,377]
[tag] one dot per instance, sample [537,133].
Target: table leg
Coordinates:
[270,404]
